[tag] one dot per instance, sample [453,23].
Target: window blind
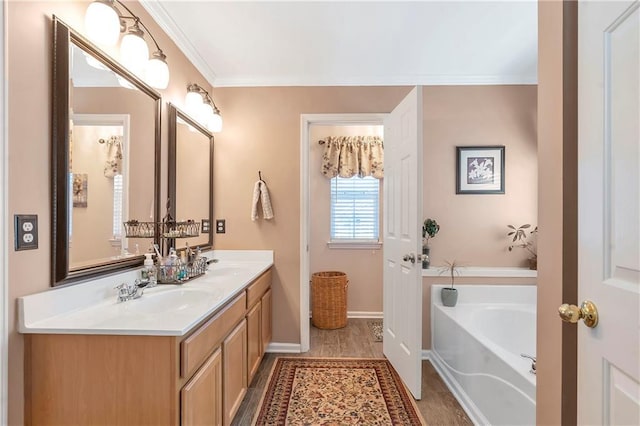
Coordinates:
[117,206]
[355,208]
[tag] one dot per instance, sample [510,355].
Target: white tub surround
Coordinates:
[481,272]
[476,348]
[165,310]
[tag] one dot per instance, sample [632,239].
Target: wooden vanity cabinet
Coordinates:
[201,397]
[197,379]
[265,324]
[234,362]
[258,322]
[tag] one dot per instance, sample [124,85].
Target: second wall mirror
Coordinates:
[191,176]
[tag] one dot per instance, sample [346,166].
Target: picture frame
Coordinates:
[80,185]
[480,169]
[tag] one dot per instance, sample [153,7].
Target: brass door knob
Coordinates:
[587,312]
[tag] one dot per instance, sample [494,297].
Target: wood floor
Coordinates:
[438,406]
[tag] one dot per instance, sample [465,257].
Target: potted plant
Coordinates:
[429,230]
[449,295]
[525,241]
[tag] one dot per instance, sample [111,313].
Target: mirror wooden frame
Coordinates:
[63,36]
[174,114]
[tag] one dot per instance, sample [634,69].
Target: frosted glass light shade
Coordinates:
[158,71]
[205,112]
[192,103]
[215,123]
[102,23]
[134,53]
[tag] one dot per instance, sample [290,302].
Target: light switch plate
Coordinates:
[26,231]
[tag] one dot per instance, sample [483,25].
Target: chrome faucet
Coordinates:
[132,291]
[533,362]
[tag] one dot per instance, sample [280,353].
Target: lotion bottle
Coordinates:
[148,270]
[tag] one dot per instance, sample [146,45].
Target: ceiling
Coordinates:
[266,43]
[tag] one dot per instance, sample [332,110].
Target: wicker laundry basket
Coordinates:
[329,299]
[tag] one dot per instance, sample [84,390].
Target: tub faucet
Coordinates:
[533,362]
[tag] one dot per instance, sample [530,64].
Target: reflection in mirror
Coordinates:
[191,176]
[105,152]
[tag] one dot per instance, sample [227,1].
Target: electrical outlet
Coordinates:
[220,226]
[26,231]
[206,226]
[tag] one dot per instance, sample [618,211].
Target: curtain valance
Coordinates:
[348,156]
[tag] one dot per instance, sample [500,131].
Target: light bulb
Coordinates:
[102,23]
[192,103]
[158,71]
[214,124]
[134,51]
[205,113]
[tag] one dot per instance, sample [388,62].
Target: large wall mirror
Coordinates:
[105,160]
[191,176]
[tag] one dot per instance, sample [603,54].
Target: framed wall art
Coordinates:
[80,184]
[480,169]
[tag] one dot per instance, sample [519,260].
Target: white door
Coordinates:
[609,211]
[402,286]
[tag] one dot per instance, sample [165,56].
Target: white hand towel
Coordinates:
[267,210]
[261,195]
[256,200]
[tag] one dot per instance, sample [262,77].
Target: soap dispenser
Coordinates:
[149,270]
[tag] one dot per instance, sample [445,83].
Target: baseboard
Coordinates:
[363,314]
[285,348]
[426,354]
[459,394]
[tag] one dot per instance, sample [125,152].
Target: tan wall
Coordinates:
[141,111]
[93,224]
[262,132]
[363,267]
[550,213]
[259,136]
[29,116]
[473,228]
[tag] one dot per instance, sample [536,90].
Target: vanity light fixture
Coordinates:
[104,22]
[200,105]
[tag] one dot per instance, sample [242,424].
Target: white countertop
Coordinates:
[165,310]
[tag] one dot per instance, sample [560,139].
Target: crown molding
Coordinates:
[168,25]
[423,80]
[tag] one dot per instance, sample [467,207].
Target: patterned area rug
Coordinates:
[335,391]
[376,330]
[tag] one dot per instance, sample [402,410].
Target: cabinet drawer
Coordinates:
[257,289]
[195,348]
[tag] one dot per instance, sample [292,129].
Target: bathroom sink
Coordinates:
[227,270]
[172,301]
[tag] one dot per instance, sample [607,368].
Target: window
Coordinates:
[355,209]
[117,206]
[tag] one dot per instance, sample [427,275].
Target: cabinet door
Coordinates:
[254,344]
[234,361]
[202,395]
[265,324]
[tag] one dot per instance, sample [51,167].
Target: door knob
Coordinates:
[587,312]
[409,258]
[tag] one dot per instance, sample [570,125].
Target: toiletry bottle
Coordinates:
[148,270]
[173,265]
